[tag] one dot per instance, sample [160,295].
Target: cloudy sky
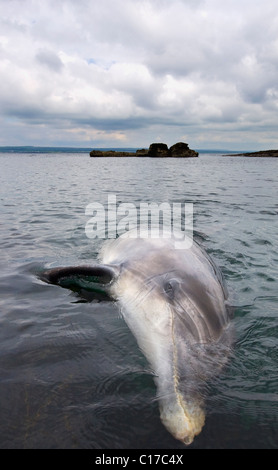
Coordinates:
[125,73]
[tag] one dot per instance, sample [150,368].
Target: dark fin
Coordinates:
[83,279]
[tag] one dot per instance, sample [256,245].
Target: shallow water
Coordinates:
[71,374]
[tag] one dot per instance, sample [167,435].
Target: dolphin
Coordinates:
[175,302]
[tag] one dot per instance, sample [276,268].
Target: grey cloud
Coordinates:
[50,59]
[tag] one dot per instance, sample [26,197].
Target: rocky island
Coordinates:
[157,150]
[261,154]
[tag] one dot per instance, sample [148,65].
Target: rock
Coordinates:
[96,153]
[111,153]
[142,153]
[181,150]
[158,150]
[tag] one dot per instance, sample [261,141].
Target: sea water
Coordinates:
[71,373]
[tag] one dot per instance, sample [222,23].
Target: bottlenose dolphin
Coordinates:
[175,303]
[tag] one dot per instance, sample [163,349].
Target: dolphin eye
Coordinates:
[169,289]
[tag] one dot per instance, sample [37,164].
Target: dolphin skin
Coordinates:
[176,305]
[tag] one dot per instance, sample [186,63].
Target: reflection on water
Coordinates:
[71,374]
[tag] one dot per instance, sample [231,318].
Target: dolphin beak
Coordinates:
[184,419]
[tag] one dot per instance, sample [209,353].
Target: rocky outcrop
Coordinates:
[181,150]
[156,150]
[142,153]
[261,154]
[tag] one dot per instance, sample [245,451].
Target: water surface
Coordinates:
[71,374]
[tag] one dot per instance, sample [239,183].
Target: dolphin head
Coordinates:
[174,302]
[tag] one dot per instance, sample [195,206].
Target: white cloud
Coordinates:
[130,70]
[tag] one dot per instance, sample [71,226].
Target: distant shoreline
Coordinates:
[36,150]
[261,154]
